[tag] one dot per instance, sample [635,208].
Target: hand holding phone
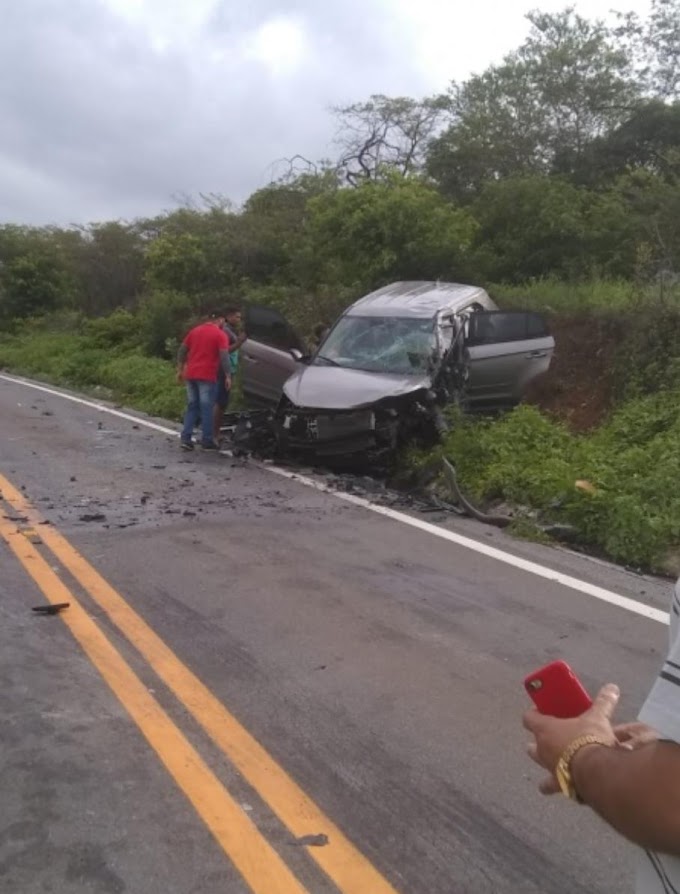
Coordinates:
[557,692]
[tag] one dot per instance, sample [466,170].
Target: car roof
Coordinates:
[418,299]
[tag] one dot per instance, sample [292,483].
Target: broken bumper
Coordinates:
[328,434]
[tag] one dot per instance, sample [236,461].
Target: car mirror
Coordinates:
[297,356]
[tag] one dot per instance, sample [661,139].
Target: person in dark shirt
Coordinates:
[231,326]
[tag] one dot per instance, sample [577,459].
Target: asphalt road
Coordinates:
[321,670]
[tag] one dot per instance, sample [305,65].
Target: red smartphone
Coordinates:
[556,691]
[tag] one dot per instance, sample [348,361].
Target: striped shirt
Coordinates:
[659,873]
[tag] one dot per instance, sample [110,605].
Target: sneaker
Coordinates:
[209,445]
[186,445]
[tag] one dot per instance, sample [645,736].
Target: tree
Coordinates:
[647,140]
[385,134]
[498,130]
[177,263]
[529,226]
[33,284]
[397,228]
[653,46]
[108,260]
[539,110]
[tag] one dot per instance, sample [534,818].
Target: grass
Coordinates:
[629,509]
[145,383]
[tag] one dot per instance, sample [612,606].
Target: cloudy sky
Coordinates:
[110,108]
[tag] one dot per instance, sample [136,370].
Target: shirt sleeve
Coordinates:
[224,341]
[662,708]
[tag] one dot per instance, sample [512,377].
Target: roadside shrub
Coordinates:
[164,317]
[648,360]
[633,464]
[119,329]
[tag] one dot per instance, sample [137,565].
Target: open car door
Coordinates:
[266,361]
[504,351]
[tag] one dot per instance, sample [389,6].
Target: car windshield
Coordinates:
[380,344]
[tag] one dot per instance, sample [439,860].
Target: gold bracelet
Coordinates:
[563,768]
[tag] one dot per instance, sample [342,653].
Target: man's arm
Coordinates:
[637,792]
[225,365]
[634,788]
[238,341]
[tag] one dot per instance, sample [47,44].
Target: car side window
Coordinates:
[268,326]
[496,327]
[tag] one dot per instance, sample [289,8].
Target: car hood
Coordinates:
[333,388]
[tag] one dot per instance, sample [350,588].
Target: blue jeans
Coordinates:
[200,400]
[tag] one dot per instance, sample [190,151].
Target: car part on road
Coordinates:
[50,609]
[500,521]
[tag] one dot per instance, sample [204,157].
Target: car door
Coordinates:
[266,361]
[504,351]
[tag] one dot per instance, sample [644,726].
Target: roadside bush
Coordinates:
[164,317]
[648,360]
[146,383]
[119,329]
[632,462]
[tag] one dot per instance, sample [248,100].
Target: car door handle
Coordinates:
[249,357]
[533,354]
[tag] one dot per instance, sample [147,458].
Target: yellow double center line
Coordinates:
[259,864]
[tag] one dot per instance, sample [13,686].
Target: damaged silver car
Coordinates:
[389,365]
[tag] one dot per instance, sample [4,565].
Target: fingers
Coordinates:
[532,719]
[549,786]
[624,732]
[606,701]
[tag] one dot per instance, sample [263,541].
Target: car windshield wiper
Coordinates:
[328,360]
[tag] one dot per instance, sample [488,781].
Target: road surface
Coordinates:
[248,661]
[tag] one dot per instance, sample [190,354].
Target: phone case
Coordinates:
[556,691]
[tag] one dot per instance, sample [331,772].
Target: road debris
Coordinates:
[311,841]
[92,517]
[50,609]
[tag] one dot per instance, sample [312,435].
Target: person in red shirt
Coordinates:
[202,356]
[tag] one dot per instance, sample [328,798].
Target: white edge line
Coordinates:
[566,580]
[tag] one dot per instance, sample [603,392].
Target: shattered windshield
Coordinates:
[380,344]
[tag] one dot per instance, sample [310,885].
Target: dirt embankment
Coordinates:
[579,387]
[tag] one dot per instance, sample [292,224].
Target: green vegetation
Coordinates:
[552,178]
[99,354]
[629,509]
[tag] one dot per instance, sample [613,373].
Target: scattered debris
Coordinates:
[93,517]
[500,521]
[311,841]
[47,413]
[50,609]
[73,478]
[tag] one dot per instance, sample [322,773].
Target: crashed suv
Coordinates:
[389,365]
